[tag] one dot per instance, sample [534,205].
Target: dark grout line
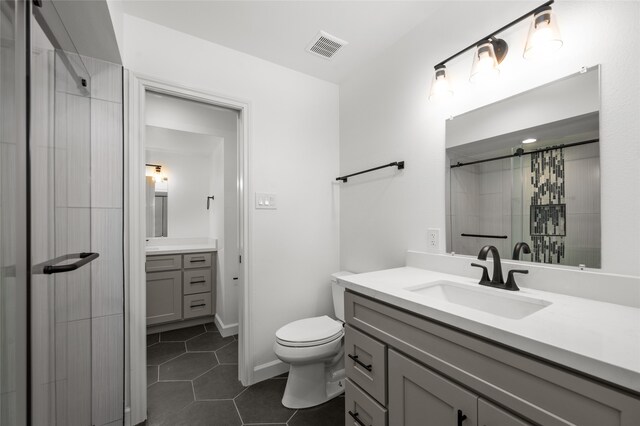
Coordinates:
[197,377]
[236,406]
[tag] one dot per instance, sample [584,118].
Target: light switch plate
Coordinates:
[265,201]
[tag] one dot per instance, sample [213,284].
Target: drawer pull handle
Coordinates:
[362,364]
[198,282]
[461,417]
[199,306]
[196,260]
[356,418]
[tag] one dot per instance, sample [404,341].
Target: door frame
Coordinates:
[135,86]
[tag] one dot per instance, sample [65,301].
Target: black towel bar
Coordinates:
[398,164]
[502,237]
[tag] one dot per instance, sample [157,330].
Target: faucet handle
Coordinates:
[485,272]
[511,282]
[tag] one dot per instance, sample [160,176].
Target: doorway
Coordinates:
[193,190]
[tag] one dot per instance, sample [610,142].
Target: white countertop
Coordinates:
[193,248]
[180,245]
[598,338]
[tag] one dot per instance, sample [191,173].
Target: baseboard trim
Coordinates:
[269,370]
[180,324]
[226,330]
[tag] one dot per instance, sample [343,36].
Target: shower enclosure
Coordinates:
[45,221]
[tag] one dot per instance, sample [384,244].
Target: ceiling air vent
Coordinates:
[325,45]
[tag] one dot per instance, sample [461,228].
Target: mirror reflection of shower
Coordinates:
[526,170]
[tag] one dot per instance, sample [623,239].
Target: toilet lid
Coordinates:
[310,331]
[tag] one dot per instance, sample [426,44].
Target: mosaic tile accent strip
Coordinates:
[548,220]
[548,209]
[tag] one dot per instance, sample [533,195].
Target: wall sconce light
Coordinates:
[544,37]
[488,55]
[440,86]
[157,173]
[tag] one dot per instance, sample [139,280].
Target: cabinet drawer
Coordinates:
[163,263]
[360,405]
[197,260]
[366,363]
[197,305]
[197,281]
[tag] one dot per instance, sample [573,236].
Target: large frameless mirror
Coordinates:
[524,175]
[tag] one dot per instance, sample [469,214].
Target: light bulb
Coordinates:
[544,35]
[440,86]
[485,64]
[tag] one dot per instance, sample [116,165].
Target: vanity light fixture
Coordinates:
[157,174]
[544,37]
[440,86]
[488,55]
[530,140]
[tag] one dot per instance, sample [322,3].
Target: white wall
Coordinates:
[293,133]
[385,115]
[228,308]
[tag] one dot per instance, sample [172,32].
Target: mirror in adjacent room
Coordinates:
[157,199]
[527,170]
[190,157]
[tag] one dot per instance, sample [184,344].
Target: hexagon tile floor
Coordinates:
[192,377]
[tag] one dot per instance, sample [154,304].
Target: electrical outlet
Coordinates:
[433,238]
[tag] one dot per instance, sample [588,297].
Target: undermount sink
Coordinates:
[505,304]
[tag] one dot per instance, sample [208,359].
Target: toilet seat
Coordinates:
[310,332]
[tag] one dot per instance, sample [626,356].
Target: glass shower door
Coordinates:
[13,226]
[60,194]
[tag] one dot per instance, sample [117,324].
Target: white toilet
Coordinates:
[314,348]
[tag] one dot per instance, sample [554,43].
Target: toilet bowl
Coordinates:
[314,350]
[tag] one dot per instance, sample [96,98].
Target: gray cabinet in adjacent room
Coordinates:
[164,297]
[180,287]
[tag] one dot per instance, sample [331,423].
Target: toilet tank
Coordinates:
[338,294]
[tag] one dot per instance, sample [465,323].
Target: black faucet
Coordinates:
[521,246]
[497,280]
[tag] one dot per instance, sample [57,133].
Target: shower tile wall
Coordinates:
[106,238]
[83,364]
[582,198]
[483,202]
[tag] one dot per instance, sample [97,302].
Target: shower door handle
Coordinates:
[52,267]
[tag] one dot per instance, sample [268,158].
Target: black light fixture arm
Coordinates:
[491,36]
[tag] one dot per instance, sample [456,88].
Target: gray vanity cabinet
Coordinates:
[435,373]
[180,287]
[164,297]
[490,415]
[418,396]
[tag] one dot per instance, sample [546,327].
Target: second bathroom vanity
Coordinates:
[181,281]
